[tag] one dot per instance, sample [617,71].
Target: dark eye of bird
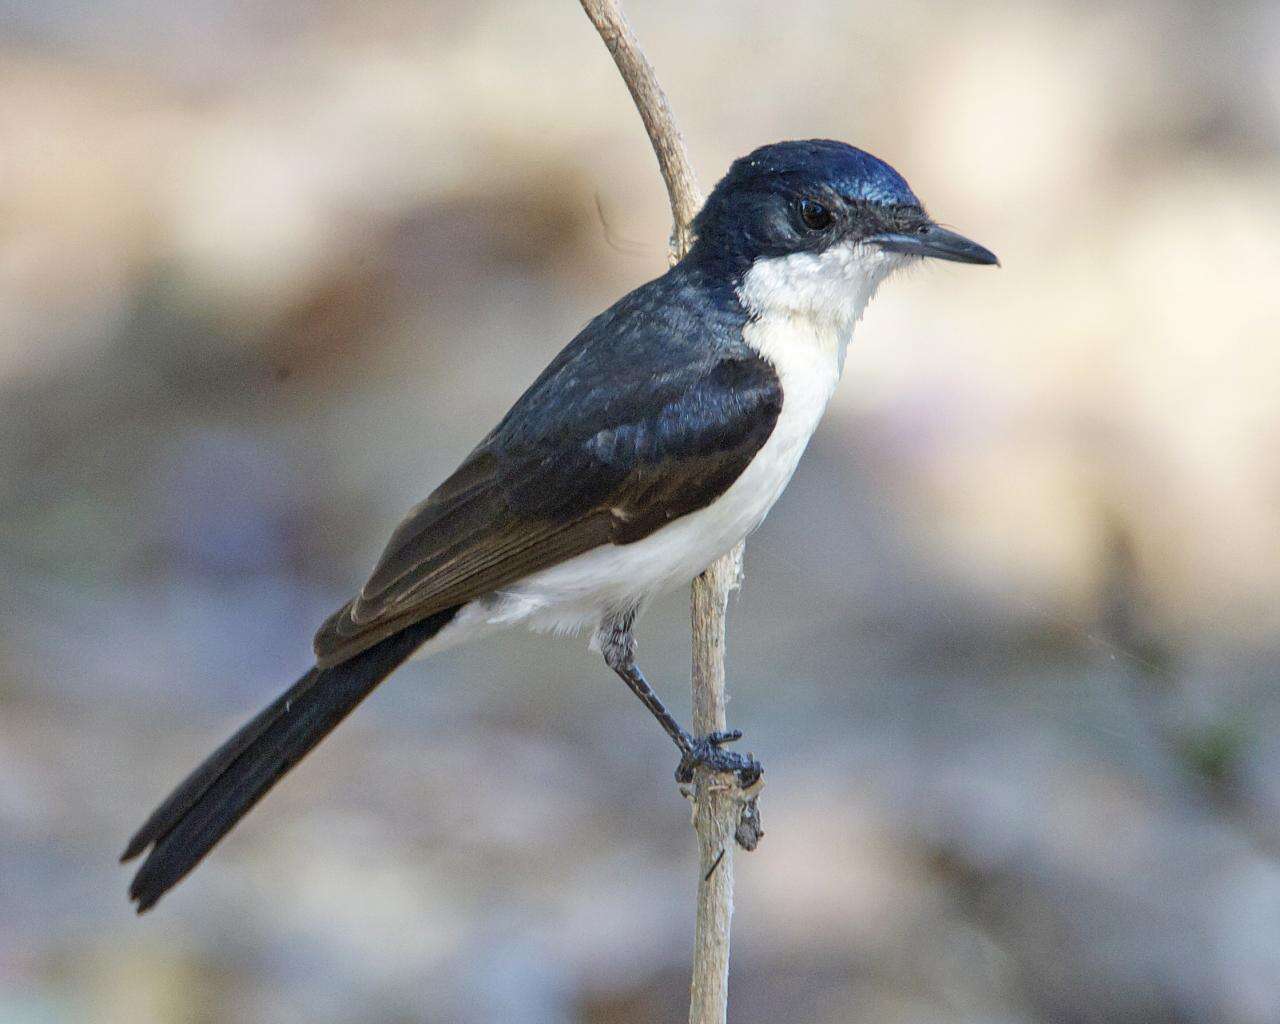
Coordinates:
[814,214]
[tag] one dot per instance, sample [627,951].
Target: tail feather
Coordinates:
[215,796]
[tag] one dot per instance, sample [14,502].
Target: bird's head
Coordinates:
[815,226]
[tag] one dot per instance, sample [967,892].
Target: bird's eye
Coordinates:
[814,214]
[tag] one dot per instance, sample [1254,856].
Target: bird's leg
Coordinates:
[618,645]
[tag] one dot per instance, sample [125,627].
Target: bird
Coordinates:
[654,442]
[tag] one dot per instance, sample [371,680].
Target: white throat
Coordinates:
[812,299]
[804,308]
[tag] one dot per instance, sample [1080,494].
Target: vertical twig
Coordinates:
[655,112]
[723,810]
[717,804]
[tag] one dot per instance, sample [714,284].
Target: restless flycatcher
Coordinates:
[653,443]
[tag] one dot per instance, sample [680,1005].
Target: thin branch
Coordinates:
[655,112]
[724,804]
[724,811]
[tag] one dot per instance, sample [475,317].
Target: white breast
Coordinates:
[804,310]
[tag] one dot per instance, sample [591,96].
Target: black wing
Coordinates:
[648,415]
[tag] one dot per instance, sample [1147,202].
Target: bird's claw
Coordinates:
[706,751]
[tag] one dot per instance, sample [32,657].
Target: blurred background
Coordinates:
[1008,646]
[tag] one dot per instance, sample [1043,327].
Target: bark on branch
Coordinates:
[724,809]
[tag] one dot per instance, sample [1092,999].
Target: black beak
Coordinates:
[938,243]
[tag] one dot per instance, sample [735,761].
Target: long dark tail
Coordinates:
[238,774]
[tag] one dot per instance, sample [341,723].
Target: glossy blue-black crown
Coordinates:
[845,169]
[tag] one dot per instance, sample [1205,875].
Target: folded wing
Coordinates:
[600,450]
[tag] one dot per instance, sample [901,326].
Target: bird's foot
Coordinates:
[707,752]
